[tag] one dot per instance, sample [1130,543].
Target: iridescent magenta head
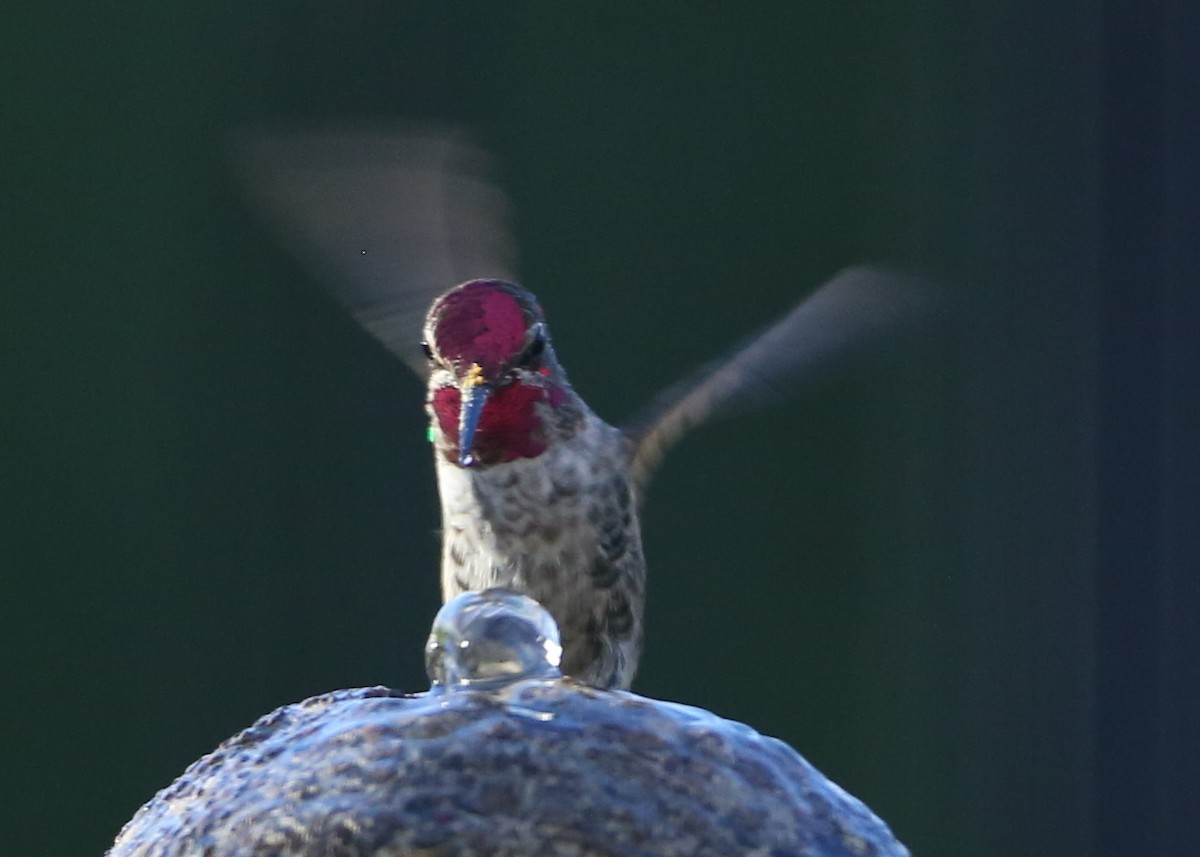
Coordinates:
[492,374]
[483,322]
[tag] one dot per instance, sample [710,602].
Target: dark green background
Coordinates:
[961,583]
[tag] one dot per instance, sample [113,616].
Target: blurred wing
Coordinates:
[388,217]
[853,314]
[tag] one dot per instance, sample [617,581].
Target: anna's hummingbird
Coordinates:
[538,494]
[536,490]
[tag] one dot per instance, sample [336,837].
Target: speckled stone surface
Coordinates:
[537,767]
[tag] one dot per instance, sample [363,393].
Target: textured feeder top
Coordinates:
[503,757]
[537,767]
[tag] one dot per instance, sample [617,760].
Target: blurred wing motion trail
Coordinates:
[861,312]
[388,218]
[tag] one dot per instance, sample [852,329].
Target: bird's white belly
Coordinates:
[522,524]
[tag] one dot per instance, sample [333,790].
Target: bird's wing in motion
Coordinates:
[852,315]
[389,217]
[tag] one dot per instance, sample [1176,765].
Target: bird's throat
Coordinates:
[510,427]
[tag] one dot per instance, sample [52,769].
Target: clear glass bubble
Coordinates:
[491,638]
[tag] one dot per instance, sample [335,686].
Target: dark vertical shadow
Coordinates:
[1179,691]
[1129,422]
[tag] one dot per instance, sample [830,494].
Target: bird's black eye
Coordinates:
[428,351]
[535,348]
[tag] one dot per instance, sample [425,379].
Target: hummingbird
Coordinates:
[536,490]
[538,494]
